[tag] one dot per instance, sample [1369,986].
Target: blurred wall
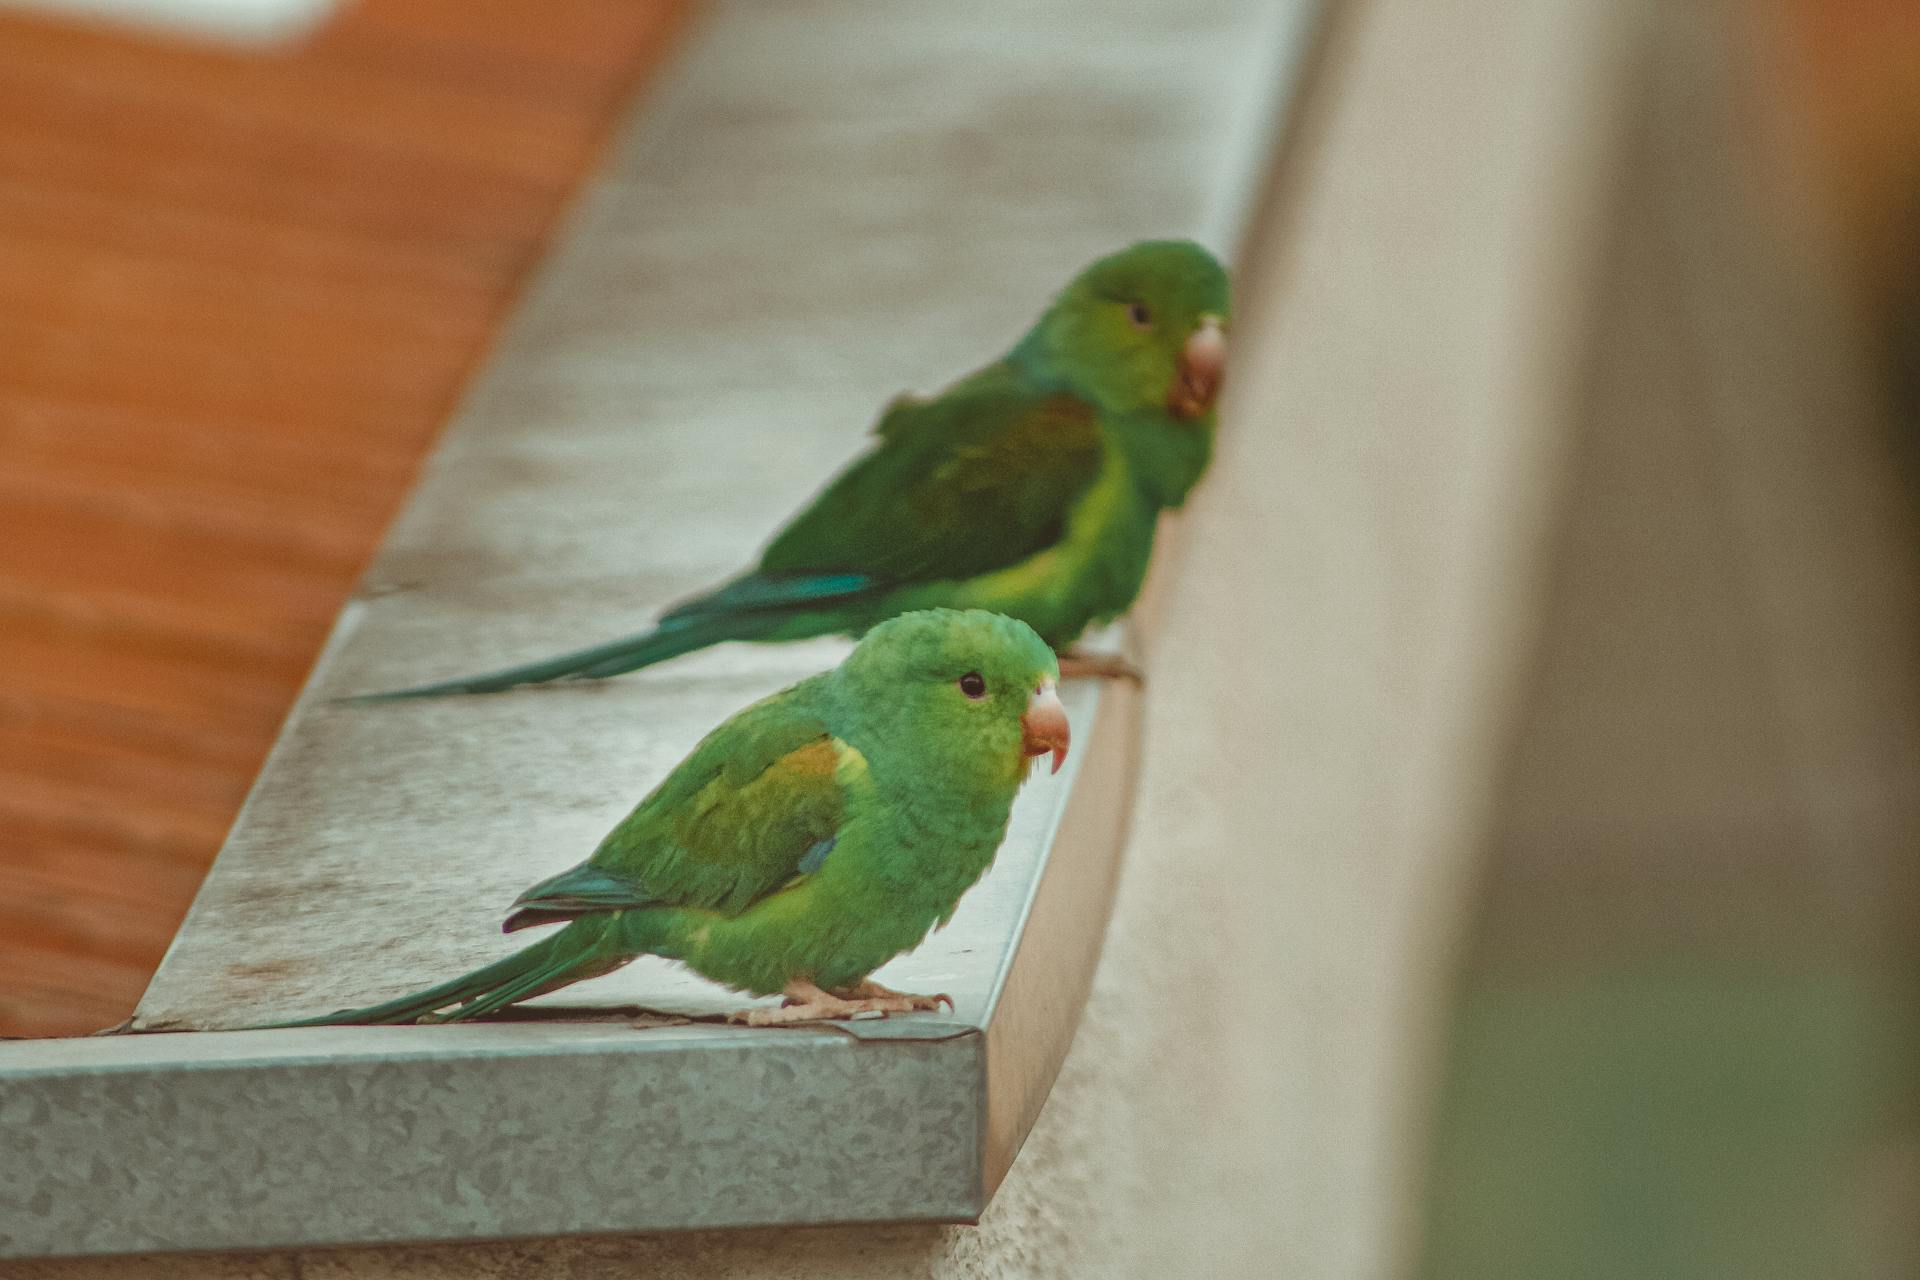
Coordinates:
[1684,1038]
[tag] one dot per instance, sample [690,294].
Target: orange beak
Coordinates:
[1202,363]
[1044,727]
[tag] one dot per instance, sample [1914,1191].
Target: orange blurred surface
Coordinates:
[1845,75]
[239,292]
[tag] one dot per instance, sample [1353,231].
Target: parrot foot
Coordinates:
[1075,665]
[808,1003]
[868,989]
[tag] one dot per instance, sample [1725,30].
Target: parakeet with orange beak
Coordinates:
[809,839]
[1032,487]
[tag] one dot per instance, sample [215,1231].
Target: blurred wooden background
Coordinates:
[242,290]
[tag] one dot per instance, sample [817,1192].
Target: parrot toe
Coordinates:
[806,1002]
[868,989]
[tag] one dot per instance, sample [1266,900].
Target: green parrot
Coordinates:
[809,839]
[1030,488]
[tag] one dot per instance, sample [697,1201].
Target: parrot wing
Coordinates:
[758,803]
[977,479]
[971,481]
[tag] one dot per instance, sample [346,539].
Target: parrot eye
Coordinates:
[973,685]
[1141,317]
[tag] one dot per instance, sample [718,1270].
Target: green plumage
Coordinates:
[1030,488]
[813,836]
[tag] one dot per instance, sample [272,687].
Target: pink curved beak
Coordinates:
[1199,369]
[1044,727]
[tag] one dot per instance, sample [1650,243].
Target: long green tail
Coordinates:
[669,640]
[755,606]
[584,949]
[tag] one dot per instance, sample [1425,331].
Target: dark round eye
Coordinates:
[973,685]
[1139,314]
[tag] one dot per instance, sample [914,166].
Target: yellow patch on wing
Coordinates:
[816,760]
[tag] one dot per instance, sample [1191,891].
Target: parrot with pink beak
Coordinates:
[808,840]
[1032,487]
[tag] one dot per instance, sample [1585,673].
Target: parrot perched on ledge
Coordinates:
[808,840]
[1030,488]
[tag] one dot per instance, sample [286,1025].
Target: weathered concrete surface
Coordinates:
[801,225]
[1332,655]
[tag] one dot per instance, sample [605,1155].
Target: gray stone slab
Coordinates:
[408,1133]
[825,204]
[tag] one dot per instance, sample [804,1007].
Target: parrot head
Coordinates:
[960,696]
[1141,329]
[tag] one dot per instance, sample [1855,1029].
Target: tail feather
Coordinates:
[525,987]
[668,640]
[573,953]
[753,607]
